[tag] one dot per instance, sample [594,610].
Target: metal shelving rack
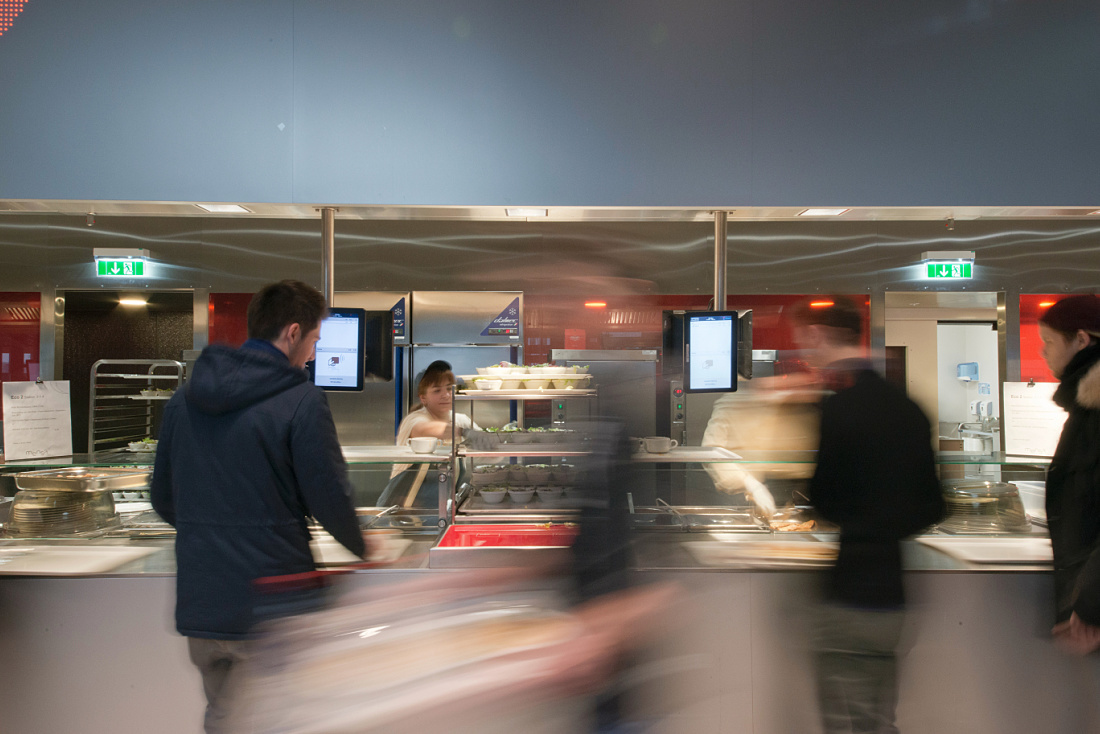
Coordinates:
[449,506]
[117,411]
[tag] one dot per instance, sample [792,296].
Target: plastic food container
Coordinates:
[976,506]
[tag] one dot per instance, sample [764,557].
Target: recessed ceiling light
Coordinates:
[526,211]
[223,208]
[821,212]
[132,301]
[821,304]
[595,304]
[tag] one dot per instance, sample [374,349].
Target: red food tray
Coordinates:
[508,536]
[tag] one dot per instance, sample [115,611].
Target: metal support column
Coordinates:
[719,261]
[328,253]
[878,330]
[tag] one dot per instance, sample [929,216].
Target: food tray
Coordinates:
[82,479]
[764,554]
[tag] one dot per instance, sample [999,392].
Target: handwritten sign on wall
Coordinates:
[1033,422]
[37,420]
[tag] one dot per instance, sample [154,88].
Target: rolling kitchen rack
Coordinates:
[124,399]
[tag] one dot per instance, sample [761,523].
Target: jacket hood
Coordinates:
[227,379]
[1081,380]
[1088,391]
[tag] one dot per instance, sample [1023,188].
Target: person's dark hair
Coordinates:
[1074,313]
[437,373]
[278,305]
[839,313]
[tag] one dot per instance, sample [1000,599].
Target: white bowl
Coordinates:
[142,446]
[538,475]
[483,370]
[482,440]
[564,474]
[497,370]
[549,493]
[517,475]
[496,475]
[513,383]
[536,384]
[555,370]
[495,496]
[520,370]
[484,384]
[521,495]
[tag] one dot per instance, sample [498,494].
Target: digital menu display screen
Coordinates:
[338,364]
[710,351]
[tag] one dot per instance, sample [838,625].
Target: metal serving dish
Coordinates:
[788,520]
[83,479]
[983,507]
[706,519]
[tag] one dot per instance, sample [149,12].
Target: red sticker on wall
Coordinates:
[9,9]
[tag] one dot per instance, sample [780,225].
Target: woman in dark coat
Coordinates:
[1070,331]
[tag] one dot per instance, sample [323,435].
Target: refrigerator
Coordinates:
[468,329]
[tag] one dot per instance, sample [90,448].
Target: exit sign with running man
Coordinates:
[950,270]
[121,268]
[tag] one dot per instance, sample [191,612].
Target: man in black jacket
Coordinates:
[876,480]
[247,451]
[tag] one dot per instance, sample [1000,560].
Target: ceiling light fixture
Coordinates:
[223,208]
[132,302]
[595,304]
[821,304]
[821,212]
[526,211]
[1046,304]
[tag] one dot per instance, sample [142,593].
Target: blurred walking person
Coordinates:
[875,479]
[1070,331]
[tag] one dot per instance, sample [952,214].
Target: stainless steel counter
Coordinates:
[654,551]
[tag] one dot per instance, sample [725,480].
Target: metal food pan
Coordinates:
[83,479]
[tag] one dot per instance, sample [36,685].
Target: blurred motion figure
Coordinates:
[1070,331]
[767,414]
[876,480]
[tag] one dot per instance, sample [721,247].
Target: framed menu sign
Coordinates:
[37,420]
[1033,422]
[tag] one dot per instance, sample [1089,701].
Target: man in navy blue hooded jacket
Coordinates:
[247,451]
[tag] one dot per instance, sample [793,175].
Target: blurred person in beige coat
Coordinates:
[769,414]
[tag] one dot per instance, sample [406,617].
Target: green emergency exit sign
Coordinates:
[129,268]
[950,270]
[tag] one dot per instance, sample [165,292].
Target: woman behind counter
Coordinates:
[432,418]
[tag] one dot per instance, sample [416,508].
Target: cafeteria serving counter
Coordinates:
[732,657]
